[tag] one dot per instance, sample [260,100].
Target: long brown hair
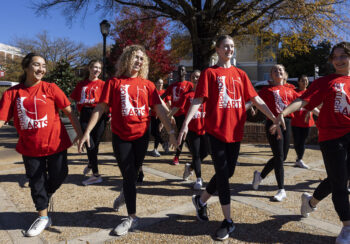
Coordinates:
[25,64]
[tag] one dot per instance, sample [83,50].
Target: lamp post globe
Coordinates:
[104,28]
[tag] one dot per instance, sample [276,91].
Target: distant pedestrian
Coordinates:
[332,91]
[301,123]
[225,90]
[196,138]
[176,91]
[277,96]
[43,140]
[87,95]
[130,96]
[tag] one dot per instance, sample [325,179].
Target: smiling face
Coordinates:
[137,61]
[278,74]
[159,84]
[225,50]
[340,61]
[303,82]
[35,70]
[94,70]
[194,78]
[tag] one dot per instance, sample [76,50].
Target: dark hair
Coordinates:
[302,77]
[221,38]
[87,71]
[344,45]
[25,64]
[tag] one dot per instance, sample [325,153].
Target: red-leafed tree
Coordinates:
[132,27]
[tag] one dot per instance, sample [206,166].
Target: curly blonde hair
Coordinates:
[126,59]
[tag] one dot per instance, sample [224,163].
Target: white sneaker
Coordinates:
[86,170]
[256,180]
[305,208]
[281,194]
[187,172]
[344,236]
[155,153]
[300,163]
[38,226]
[198,184]
[165,146]
[92,180]
[119,201]
[128,223]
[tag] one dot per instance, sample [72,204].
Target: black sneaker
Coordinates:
[201,210]
[225,230]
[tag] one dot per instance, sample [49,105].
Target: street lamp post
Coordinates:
[104,27]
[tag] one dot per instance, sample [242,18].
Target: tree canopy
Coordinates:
[206,19]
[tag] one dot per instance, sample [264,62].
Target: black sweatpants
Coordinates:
[199,148]
[336,157]
[46,174]
[299,136]
[155,122]
[280,150]
[225,157]
[95,135]
[130,156]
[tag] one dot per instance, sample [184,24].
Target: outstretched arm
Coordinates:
[294,106]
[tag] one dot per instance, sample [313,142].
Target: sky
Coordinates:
[18,19]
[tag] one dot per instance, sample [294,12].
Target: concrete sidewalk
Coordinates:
[84,214]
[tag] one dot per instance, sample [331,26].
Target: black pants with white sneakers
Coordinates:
[199,148]
[46,174]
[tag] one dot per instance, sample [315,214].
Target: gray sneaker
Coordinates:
[128,223]
[187,172]
[305,208]
[119,201]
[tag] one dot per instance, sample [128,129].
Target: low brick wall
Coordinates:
[255,133]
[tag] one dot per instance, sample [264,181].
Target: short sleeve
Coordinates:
[249,91]
[107,92]
[75,95]
[61,100]
[6,106]
[153,97]
[314,94]
[202,86]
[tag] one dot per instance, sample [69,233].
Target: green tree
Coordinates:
[64,76]
[304,62]
[204,20]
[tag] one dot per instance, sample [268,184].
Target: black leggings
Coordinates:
[225,157]
[155,122]
[95,135]
[179,121]
[299,136]
[46,174]
[336,156]
[198,145]
[130,156]
[280,150]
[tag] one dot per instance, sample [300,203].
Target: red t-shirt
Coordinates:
[277,98]
[35,112]
[197,122]
[225,92]
[87,93]
[176,90]
[334,118]
[130,100]
[299,116]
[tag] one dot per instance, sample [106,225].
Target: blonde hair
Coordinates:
[285,78]
[126,59]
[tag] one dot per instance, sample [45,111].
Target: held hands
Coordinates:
[275,127]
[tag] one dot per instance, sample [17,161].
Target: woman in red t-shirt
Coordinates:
[196,139]
[277,96]
[130,96]
[300,127]
[87,95]
[225,90]
[332,91]
[43,140]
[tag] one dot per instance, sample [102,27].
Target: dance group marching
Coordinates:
[209,113]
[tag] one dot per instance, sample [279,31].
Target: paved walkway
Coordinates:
[85,215]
